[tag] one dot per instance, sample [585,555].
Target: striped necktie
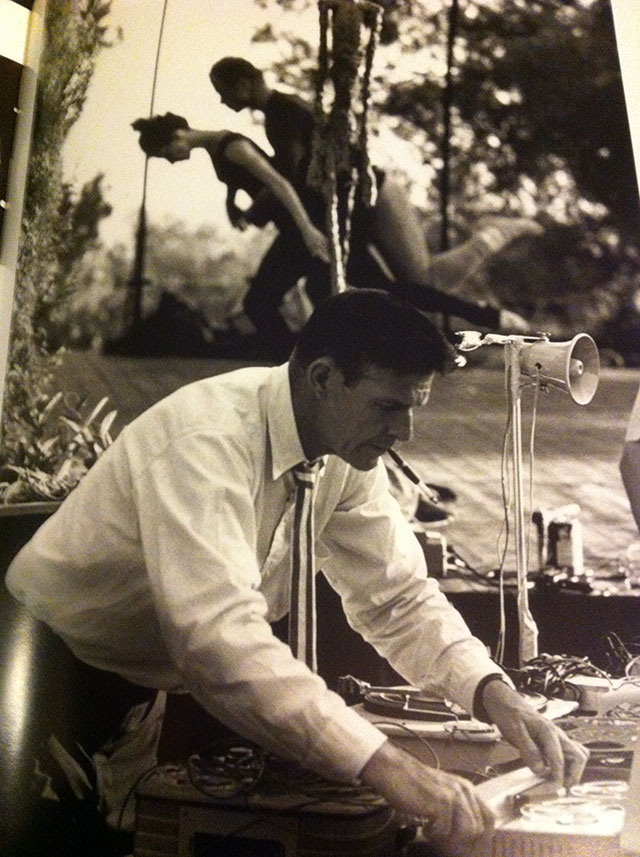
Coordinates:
[302,612]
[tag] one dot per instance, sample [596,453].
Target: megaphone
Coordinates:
[572,366]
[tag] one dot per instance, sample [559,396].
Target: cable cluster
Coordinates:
[550,674]
[224,772]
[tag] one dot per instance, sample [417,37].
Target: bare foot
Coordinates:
[511,322]
[498,232]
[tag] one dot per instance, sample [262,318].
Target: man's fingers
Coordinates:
[566,759]
[462,821]
[575,759]
[549,739]
[549,752]
[520,737]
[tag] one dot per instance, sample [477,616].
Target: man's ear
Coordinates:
[246,89]
[322,373]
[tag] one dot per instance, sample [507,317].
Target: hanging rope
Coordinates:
[138,280]
[339,164]
[447,100]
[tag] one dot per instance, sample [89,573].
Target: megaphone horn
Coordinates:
[572,366]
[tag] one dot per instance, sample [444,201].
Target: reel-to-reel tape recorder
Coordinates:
[600,817]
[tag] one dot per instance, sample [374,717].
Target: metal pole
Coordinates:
[528,637]
[447,99]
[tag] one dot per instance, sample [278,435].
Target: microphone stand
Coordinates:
[528,630]
[572,366]
[528,639]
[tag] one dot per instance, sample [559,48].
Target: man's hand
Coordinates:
[455,819]
[545,748]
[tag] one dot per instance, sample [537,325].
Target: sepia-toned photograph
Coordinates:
[320,430]
[10,72]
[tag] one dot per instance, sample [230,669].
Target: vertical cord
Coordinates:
[137,277]
[506,502]
[446,126]
[502,553]
[153,90]
[445,188]
[534,414]
[505,529]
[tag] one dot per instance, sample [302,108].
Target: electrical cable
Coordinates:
[226,771]
[252,769]
[532,434]
[622,661]
[154,84]
[437,764]
[488,578]
[271,819]
[137,279]
[485,774]
[507,507]
[550,674]
[502,556]
[145,775]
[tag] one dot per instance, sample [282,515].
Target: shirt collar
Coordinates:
[286,448]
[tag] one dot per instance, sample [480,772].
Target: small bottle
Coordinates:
[541,518]
[565,547]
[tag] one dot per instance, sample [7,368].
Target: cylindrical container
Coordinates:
[565,548]
[541,518]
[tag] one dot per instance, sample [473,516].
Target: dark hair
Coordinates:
[229,70]
[361,328]
[157,131]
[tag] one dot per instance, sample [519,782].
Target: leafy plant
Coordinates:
[60,442]
[58,227]
[537,129]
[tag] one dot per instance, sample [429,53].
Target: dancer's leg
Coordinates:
[397,233]
[399,236]
[455,270]
[283,264]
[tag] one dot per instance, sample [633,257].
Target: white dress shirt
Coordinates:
[160,566]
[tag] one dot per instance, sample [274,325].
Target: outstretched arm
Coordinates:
[244,155]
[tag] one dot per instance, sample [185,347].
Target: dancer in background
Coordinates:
[391,226]
[242,165]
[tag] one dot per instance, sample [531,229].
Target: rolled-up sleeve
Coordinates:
[376,565]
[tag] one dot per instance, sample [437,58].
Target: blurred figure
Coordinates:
[391,225]
[630,461]
[242,165]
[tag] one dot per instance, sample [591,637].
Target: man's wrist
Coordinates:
[479,709]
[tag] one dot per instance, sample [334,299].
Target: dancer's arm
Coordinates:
[235,214]
[245,155]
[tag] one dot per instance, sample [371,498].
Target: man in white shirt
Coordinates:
[165,565]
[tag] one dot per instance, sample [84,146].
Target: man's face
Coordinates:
[235,95]
[361,422]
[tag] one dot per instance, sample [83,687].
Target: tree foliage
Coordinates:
[58,225]
[538,128]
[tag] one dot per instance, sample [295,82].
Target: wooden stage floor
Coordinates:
[458,442]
